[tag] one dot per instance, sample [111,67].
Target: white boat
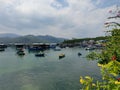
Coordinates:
[57,49]
[61,56]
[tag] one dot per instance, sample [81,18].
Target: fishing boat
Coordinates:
[61,56]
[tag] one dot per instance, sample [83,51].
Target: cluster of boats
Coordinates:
[21,52]
[38,54]
[39,51]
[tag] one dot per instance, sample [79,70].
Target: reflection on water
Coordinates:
[45,73]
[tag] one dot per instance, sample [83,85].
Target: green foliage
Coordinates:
[89,85]
[112,49]
[93,56]
[109,61]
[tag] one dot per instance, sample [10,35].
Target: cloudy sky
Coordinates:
[61,18]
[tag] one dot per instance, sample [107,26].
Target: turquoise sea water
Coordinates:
[45,73]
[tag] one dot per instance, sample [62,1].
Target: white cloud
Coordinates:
[79,18]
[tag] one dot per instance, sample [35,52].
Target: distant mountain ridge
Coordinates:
[14,38]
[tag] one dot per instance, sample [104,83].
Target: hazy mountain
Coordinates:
[29,39]
[49,38]
[9,35]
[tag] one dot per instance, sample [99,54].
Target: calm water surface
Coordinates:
[45,73]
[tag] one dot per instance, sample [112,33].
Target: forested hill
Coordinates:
[85,39]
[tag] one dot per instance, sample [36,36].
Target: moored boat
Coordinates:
[2,47]
[79,54]
[57,49]
[21,52]
[61,56]
[89,48]
[41,54]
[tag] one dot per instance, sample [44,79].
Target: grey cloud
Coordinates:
[59,4]
[73,21]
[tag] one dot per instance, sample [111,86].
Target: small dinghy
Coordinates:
[61,56]
[79,54]
[40,54]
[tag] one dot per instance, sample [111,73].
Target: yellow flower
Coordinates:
[116,82]
[93,84]
[114,74]
[87,77]
[100,65]
[81,80]
[103,78]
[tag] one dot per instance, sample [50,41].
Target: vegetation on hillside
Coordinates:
[85,39]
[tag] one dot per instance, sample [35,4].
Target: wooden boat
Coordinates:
[61,56]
